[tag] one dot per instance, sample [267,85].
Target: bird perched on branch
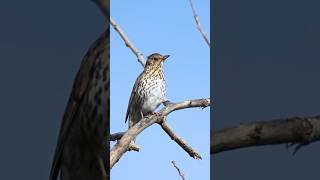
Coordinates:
[83,149]
[149,90]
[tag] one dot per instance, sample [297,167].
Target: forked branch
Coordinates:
[123,144]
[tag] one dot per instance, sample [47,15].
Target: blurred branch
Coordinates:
[298,131]
[196,18]
[123,144]
[179,171]
[127,42]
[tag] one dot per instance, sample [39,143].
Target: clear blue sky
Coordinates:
[166,27]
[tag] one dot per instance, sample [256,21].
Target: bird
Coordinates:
[82,150]
[149,90]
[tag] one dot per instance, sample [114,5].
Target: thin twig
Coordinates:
[179,171]
[127,42]
[196,18]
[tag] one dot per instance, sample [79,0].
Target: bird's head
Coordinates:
[156,59]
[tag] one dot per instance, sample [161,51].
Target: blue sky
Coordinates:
[166,27]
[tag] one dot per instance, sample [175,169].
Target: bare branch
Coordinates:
[179,171]
[123,144]
[127,42]
[164,125]
[296,130]
[179,140]
[196,18]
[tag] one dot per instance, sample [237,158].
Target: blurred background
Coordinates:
[266,66]
[41,45]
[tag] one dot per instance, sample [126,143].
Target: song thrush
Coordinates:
[149,90]
[83,147]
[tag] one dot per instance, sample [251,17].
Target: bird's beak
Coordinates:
[165,57]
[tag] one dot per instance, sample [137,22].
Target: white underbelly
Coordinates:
[155,97]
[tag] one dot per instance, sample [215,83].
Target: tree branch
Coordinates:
[127,42]
[296,130]
[164,125]
[196,18]
[123,144]
[179,140]
[179,171]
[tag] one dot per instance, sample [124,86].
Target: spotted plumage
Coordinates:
[149,90]
[82,149]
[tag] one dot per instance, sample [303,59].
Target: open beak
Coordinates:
[165,57]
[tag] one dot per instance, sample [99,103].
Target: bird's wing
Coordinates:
[79,90]
[133,96]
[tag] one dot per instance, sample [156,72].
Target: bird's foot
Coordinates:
[153,113]
[167,103]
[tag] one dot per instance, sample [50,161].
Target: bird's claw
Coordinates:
[167,103]
[154,113]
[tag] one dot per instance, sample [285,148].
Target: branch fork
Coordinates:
[123,143]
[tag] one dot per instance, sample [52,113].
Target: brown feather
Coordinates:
[81,152]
